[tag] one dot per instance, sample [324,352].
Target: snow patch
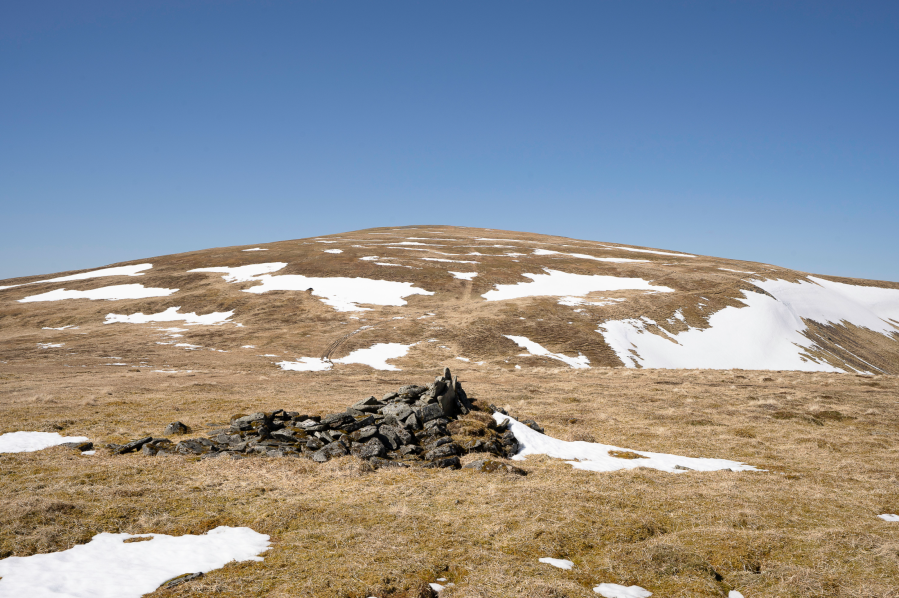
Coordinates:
[766,334]
[111,293]
[305,364]
[647,251]
[135,270]
[613,590]
[584,256]
[243,273]
[171,315]
[579,362]
[575,301]
[108,567]
[464,275]
[560,563]
[343,294]
[889,517]
[72,326]
[333,250]
[27,442]
[377,355]
[50,345]
[256,249]
[557,283]
[595,457]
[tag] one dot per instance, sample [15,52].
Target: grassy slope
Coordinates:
[807,527]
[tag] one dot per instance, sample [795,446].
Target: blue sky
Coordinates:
[764,131]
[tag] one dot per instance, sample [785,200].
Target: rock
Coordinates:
[362,434]
[491,466]
[133,445]
[429,412]
[192,447]
[337,420]
[532,425]
[443,451]
[412,422]
[369,405]
[330,451]
[148,450]
[397,410]
[412,389]
[372,448]
[410,449]
[448,462]
[79,446]
[448,405]
[378,462]
[389,436]
[359,424]
[446,374]
[177,581]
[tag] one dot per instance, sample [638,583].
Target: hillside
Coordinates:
[421,296]
[710,427]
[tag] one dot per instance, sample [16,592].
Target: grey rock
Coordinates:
[337,420]
[532,425]
[177,581]
[491,466]
[369,405]
[389,396]
[193,447]
[410,449]
[446,374]
[397,410]
[447,404]
[448,462]
[359,424]
[443,451]
[133,445]
[314,444]
[378,463]
[148,450]
[389,436]
[363,433]
[412,389]
[330,451]
[412,422]
[429,412]
[79,446]
[176,428]
[372,448]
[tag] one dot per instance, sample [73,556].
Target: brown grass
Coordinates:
[806,527]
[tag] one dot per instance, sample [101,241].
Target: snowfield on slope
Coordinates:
[595,457]
[766,334]
[135,270]
[556,283]
[579,362]
[112,293]
[27,442]
[343,294]
[108,567]
[170,315]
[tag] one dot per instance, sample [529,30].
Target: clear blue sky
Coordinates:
[756,130]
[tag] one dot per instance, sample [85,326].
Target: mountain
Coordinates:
[423,296]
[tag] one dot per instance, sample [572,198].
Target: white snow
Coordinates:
[72,326]
[739,271]
[557,283]
[766,334]
[333,250]
[26,442]
[613,590]
[584,256]
[464,275]
[248,347]
[112,293]
[371,258]
[465,359]
[647,251]
[107,567]
[579,362]
[888,517]
[135,270]
[376,356]
[595,457]
[256,249]
[734,594]
[436,587]
[343,294]
[50,345]
[243,273]
[171,315]
[189,347]
[575,301]
[438,259]
[560,563]
[305,364]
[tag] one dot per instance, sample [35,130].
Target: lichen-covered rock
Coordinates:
[175,428]
[491,466]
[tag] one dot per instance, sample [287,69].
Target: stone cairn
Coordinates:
[423,426]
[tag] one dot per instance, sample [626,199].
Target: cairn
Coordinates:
[422,426]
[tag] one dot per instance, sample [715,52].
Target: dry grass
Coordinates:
[807,527]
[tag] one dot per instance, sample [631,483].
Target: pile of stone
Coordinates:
[424,426]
